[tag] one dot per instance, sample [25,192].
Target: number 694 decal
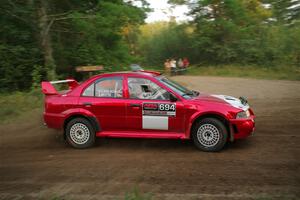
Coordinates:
[167,107]
[159,109]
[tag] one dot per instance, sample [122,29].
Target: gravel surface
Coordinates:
[35,162]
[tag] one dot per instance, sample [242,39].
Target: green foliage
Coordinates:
[36,77]
[285,11]
[45,39]
[96,38]
[167,41]
[137,195]
[60,35]
[18,47]
[225,32]
[18,103]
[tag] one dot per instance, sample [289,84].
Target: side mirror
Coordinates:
[172,97]
[196,92]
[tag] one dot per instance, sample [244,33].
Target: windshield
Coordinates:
[179,89]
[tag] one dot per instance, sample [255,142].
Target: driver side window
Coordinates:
[140,88]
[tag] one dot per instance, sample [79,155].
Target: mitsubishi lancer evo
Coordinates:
[144,104]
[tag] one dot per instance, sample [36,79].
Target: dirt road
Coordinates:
[36,163]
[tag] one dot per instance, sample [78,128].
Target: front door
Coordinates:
[150,109]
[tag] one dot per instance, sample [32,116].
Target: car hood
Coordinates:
[235,102]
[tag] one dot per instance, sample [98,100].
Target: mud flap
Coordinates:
[231,134]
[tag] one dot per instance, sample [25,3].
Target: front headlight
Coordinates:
[243,114]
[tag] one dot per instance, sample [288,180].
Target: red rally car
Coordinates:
[144,104]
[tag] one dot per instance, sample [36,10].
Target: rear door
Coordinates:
[150,109]
[105,99]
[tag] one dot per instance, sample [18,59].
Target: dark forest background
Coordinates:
[46,40]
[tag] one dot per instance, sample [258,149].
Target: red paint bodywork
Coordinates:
[116,118]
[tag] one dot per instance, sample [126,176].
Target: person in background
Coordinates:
[186,62]
[180,63]
[173,66]
[167,66]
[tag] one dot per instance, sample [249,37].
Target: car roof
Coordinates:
[142,72]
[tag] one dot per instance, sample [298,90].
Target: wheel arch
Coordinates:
[211,115]
[93,120]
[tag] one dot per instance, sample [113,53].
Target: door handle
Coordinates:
[135,105]
[87,104]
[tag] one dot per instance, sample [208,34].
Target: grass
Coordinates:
[278,73]
[270,197]
[275,73]
[135,194]
[18,103]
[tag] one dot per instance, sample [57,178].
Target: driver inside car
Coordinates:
[145,89]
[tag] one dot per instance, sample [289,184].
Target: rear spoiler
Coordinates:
[150,72]
[49,89]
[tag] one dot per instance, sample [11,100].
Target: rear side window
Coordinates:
[89,91]
[109,87]
[105,87]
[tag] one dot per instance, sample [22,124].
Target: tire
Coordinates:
[210,135]
[80,133]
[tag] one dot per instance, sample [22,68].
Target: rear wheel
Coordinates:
[209,134]
[80,133]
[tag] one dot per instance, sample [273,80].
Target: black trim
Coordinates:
[135,105]
[87,104]
[95,123]
[235,129]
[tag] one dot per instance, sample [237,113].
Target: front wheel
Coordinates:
[80,133]
[209,134]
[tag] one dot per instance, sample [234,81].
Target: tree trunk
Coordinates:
[45,39]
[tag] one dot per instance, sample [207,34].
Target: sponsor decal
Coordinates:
[155,122]
[159,109]
[150,106]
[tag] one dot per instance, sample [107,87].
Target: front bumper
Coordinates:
[242,128]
